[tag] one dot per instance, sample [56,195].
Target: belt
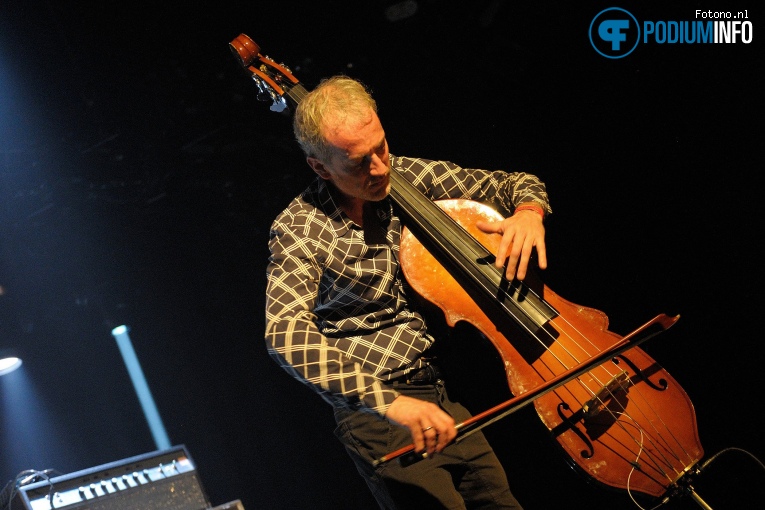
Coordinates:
[429,374]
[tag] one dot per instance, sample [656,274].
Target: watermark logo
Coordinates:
[614,32]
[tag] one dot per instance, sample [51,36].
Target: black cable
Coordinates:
[24,478]
[726,450]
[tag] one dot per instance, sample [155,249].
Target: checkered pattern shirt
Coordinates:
[338,313]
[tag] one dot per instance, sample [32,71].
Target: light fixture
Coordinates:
[120,334]
[8,361]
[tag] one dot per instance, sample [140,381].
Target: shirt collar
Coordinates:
[339,222]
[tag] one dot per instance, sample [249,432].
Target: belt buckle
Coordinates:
[426,375]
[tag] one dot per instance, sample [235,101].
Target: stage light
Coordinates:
[8,361]
[120,334]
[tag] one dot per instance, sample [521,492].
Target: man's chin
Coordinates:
[381,193]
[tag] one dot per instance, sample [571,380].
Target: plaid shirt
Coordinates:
[338,317]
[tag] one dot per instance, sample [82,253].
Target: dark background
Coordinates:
[140,174]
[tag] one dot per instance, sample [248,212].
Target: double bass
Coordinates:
[619,417]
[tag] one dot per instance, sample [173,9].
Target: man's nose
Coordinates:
[377,166]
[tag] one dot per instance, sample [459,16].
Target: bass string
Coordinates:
[605,393]
[415,205]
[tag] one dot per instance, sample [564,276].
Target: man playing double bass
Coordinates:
[341,318]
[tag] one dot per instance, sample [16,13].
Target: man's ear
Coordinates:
[318,167]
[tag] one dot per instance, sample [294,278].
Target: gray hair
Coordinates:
[337,99]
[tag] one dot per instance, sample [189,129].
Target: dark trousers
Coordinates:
[466,475]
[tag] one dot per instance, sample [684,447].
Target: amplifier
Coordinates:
[165,479]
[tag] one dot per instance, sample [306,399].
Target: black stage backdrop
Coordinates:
[140,175]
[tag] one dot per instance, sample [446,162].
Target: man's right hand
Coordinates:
[431,428]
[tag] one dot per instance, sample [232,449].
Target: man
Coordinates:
[341,318]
